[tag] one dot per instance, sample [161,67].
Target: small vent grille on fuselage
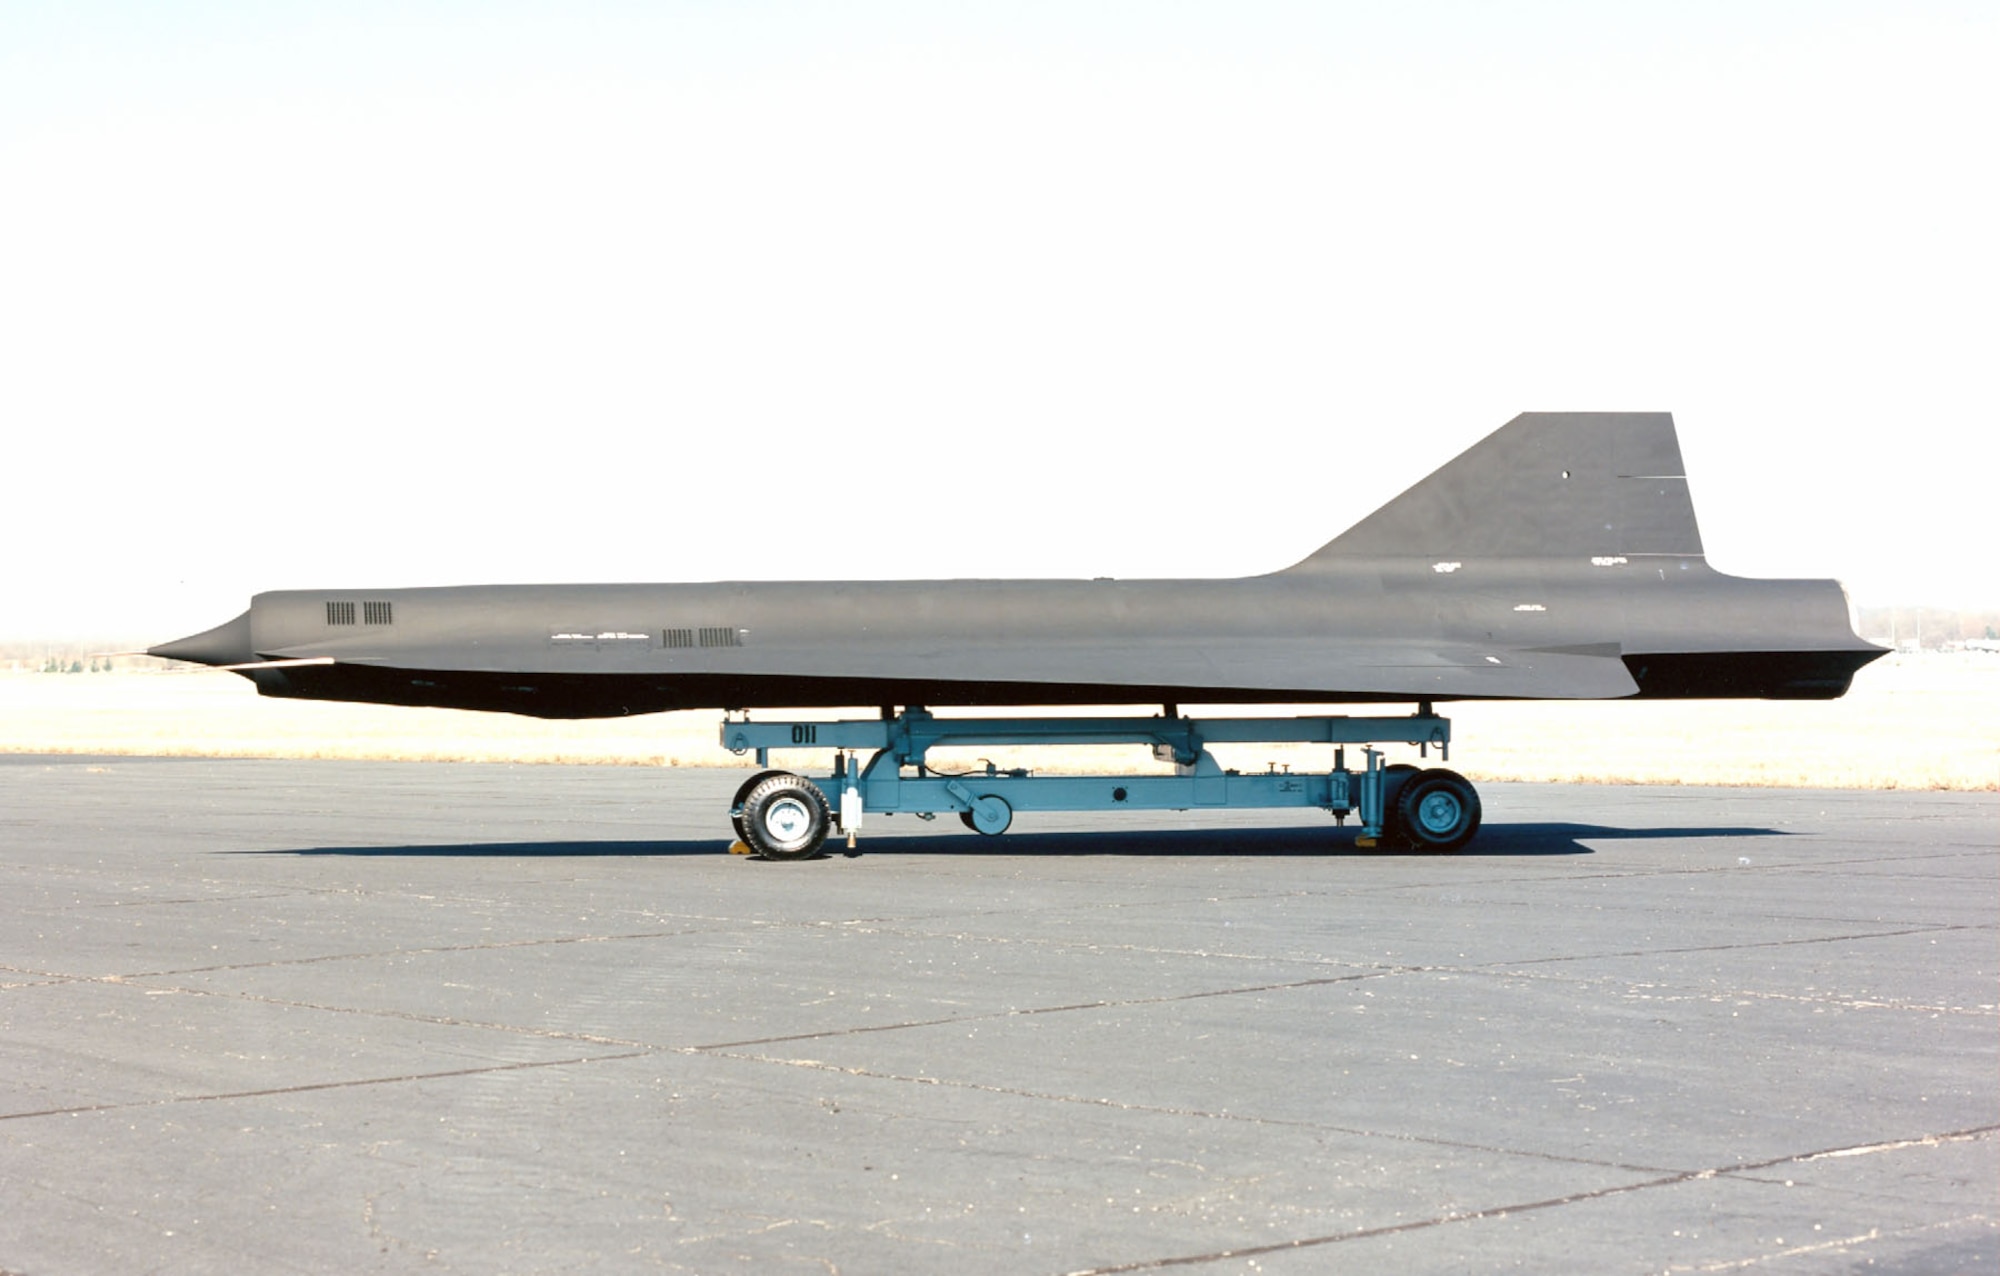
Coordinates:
[707,636]
[340,613]
[374,613]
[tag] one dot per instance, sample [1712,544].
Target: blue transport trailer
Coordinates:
[881,767]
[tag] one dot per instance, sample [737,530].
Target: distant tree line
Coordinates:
[1927,627]
[77,657]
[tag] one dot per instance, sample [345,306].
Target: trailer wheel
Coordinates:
[1437,810]
[1394,777]
[989,816]
[736,803]
[785,817]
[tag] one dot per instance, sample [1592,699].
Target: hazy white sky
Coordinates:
[393,294]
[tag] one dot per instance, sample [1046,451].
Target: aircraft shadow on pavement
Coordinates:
[1494,841]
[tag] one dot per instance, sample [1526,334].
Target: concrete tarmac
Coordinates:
[277,1016]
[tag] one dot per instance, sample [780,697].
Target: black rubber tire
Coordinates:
[1394,777]
[1437,811]
[736,803]
[786,817]
[965,818]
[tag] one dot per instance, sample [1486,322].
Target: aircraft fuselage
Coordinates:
[1396,630]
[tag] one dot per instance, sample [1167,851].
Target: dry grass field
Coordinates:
[1922,722]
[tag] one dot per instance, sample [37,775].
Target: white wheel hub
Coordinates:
[787,819]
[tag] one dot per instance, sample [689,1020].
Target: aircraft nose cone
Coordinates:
[226,644]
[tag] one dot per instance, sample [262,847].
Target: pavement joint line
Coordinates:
[1872,1234]
[724,1047]
[1745,947]
[643,935]
[1501,1211]
[310,1087]
[1678,992]
[1098,946]
[443,1021]
[1024,1011]
[1209,953]
[820,1065]
[391,952]
[1835,919]
[1845,1003]
[192,899]
[1955,851]
[911,926]
[1501,969]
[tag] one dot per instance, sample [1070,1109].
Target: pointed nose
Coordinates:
[226,644]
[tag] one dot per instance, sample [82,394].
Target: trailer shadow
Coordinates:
[1494,841]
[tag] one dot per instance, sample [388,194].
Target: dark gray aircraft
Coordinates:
[1558,558]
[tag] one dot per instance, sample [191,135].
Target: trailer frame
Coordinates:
[784,815]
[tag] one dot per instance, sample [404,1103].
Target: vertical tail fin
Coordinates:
[1544,485]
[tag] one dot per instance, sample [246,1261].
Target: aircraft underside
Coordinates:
[1790,675]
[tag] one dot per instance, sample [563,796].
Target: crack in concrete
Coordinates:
[310,1087]
[1421,1225]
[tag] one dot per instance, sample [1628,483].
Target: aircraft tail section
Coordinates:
[1545,485]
